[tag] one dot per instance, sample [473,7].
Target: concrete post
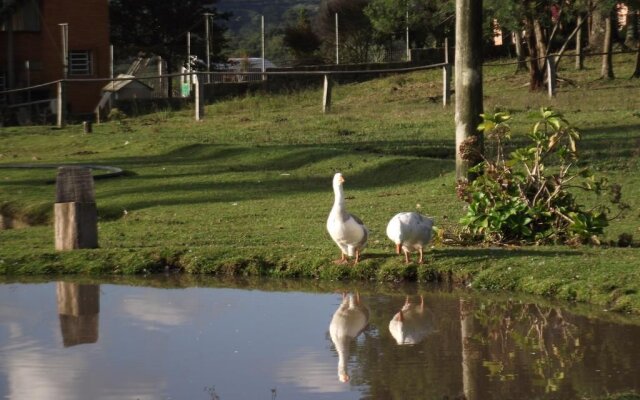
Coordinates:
[198,97]
[446,85]
[326,98]
[61,105]
[551,75]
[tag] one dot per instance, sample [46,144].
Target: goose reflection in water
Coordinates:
[412,323]
[349,320]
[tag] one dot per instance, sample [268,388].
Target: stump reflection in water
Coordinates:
[78,310]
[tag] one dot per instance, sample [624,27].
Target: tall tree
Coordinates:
[301,39]
[354,28]
[160,27]
[468,80]
[429,22]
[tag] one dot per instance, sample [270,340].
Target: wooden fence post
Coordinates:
[551,75]
[76,215]
[199,97]
[61,108]
[446,85]
[326,98]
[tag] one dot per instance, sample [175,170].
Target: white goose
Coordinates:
[347,230]
[347,323]
[412,323]
[411,232]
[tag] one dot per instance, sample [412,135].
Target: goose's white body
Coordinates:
[347,323]
[411,324]
[347,230]
[410,231]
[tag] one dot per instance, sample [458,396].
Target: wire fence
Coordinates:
[191,85]
[47,103]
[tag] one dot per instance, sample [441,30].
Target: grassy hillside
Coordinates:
[247,190]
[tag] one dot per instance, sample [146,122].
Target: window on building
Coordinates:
[26,18]
[80,62]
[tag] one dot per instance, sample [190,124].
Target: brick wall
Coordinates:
[88,30]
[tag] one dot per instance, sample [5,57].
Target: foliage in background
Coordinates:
[355,31]
[302,40]
[429,22]
[530,196]
[160,28]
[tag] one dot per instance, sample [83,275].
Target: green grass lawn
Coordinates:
[247,190]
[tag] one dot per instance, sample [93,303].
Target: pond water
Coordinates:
[171,338]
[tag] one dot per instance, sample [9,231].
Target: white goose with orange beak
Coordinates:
[410,231]
[347,230]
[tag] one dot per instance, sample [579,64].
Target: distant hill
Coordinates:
[246,12]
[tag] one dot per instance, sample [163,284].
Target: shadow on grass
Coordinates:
[210,161]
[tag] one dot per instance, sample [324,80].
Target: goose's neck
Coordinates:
[343,356]
[339,197]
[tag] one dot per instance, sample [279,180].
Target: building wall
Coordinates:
[88,30]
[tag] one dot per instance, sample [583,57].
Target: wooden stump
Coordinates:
[75,211]
[86,127]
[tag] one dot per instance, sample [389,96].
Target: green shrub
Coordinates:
[529,196]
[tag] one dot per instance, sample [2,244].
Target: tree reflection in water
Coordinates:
[482,348]
[518,340]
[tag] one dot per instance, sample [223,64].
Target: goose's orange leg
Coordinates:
[342,260]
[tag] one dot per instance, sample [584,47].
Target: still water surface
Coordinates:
[205,339]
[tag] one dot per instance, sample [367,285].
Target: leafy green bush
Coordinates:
[529,196]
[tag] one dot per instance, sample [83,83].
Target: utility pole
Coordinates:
[111,69]
[189,51]
[262,36]
[337,42]
[207,17]
[407,20]
[64,30]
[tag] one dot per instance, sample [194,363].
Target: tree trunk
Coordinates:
[579,54]
[536,74]
[607,59]
[522,63]
[597,28]
[541,40]
[468,89]
[631,39]
[636,72]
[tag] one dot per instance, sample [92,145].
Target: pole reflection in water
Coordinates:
[78,310]
[412,323]
[471,350]
[349,320]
